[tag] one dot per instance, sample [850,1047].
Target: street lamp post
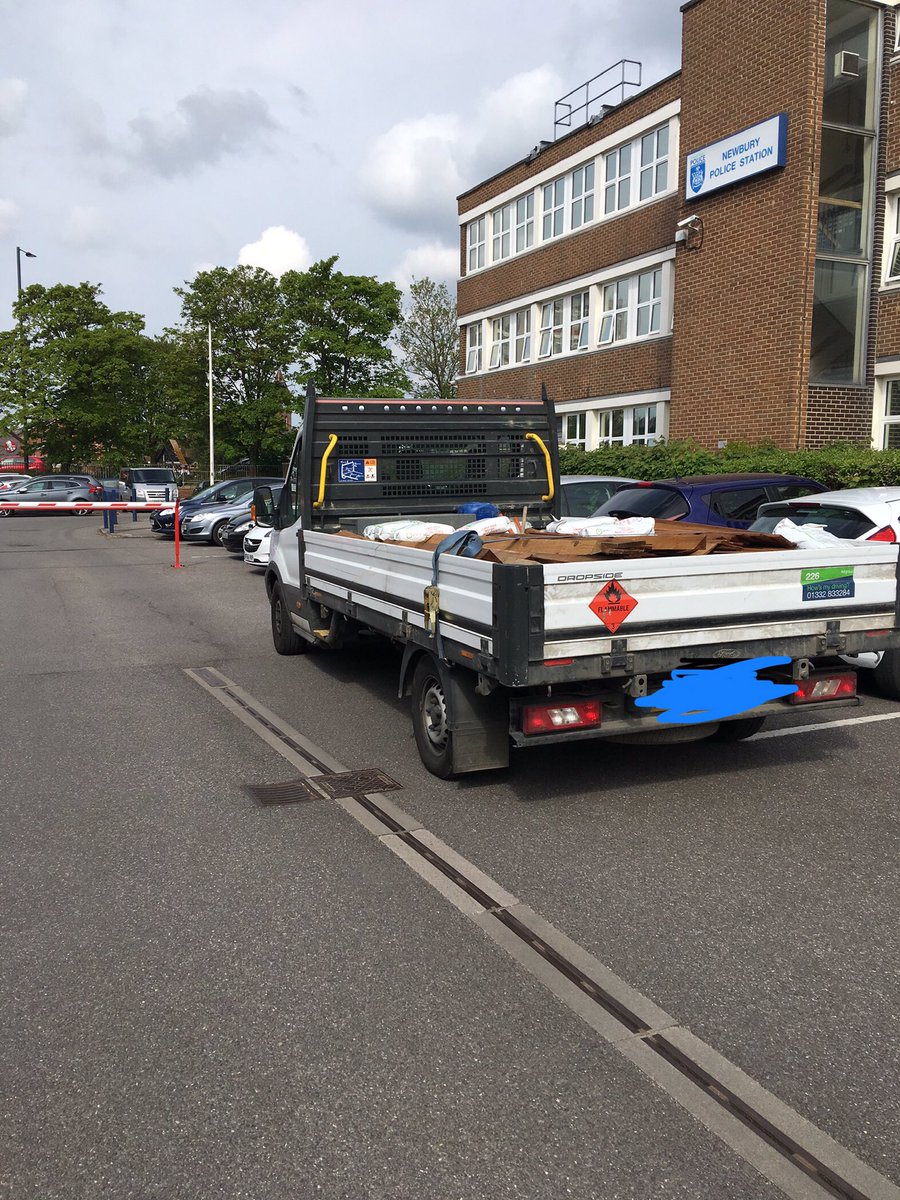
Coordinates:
[28,254]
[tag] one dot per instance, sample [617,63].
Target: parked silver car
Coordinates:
[207,522]
[53,488]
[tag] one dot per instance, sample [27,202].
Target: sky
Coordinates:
[141,143]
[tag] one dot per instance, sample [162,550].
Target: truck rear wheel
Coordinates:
[284,636]
[737,731]
[431,719]
[886,675]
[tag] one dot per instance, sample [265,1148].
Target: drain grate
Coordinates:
[342,785]
[293,791]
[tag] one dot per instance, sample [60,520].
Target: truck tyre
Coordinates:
[737,731]
[431,719]
[285,638]
[886,675]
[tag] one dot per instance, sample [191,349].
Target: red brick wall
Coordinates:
[743,299]
[618,370]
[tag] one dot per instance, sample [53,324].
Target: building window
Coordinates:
[500,223]
[579,315]
[473,348]
[573,429]
[524,222]
[890,423]
[500,342]
[612,426]
[849,128]
[892,239]
[643,424]
[551,328]
[582,195]
[554,200]
[617,179]
[476,236]
[654,162]
[523,335]
[614,322]
[649,302]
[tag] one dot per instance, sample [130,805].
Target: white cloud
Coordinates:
[84,226]
[12,104]
[413,173]
[9,214]
[433,259]
[278,250]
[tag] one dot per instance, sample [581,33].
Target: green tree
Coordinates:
[73,372]
[343,325]
[429,339]
[252,353]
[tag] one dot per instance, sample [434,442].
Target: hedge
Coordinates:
[839,466]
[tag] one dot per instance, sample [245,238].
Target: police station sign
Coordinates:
[735,158]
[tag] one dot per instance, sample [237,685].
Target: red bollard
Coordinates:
[177,535]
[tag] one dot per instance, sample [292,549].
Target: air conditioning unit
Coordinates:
[846,62]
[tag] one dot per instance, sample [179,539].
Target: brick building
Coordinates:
[772,311]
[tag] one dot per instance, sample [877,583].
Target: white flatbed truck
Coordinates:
[507,654]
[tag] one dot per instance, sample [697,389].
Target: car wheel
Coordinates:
[81,512]
[737,731]
[886,675]
[218,531]
[431,719]
[284,637]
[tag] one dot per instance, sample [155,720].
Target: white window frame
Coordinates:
[475,235]
[578,320]
[577,421]
[891,275]
[501,237]
[552,326]
[648,303]
[624,300]
[581,189]
[657,142]
[473,348]
[500,342]
[886,420]
[614,300]
[555,214]
[617,179]
[522,322]
[524,223]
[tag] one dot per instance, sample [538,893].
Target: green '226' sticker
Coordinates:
[822,574]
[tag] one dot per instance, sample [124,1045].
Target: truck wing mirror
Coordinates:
[263,511]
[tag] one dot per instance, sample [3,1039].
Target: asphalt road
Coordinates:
[201,997]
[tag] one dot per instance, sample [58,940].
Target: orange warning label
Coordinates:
[612,605]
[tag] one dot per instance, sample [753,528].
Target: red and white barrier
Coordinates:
[99,506]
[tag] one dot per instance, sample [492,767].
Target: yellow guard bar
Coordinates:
[534,437]
[332,442]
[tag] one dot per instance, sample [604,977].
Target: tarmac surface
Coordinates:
[203,997]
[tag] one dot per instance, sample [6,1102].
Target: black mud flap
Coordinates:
[480,724]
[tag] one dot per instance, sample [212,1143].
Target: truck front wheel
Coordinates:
[431,721]
[284,636]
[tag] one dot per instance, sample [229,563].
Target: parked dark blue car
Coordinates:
[731,500]
[226,492]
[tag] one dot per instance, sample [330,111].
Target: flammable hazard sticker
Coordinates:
[612,605]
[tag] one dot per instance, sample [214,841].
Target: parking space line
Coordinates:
[770,733]
[794,1155]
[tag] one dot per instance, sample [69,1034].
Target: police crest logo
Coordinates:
[698,172]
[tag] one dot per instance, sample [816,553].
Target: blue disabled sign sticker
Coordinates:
[827,583]
[357,470]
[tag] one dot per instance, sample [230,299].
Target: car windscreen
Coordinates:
[837,519]
[153,475]
[659,502]
[581,499]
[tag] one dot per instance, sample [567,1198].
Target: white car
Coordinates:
[257,543]
[10,481]
[862,515]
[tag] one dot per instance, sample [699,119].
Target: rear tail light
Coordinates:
[883,535]
[549,718]
[94,490]
[824,687]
